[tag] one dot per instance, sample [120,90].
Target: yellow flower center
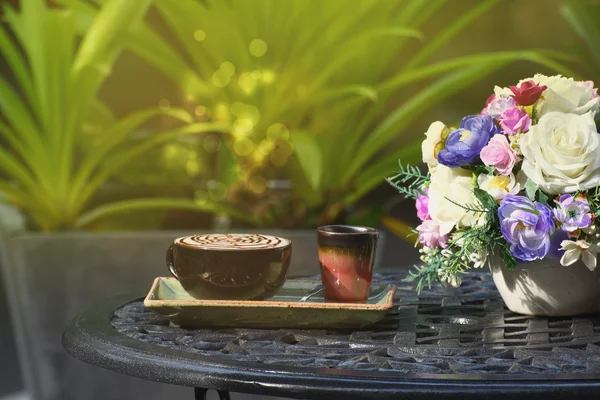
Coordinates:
[464,134]
[500,182]
[439,146]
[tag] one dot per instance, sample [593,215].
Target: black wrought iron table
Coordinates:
[440,344]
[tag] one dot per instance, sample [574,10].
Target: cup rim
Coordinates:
[353,230]
[285,243]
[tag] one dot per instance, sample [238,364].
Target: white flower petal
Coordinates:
[568,245]
[560,153]
[449,189]
[570,257]
[432,138]
[589,260]
[583,245]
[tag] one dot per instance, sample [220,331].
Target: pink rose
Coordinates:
[499,154]
[429,234]
[422,205]
[514,120]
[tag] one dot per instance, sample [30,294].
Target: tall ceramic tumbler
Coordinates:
[346,256]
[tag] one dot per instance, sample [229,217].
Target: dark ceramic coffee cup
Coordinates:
[346,256]
[230,266]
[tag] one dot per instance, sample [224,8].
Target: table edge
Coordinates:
[93,342]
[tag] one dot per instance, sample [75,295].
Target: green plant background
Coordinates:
[328,98]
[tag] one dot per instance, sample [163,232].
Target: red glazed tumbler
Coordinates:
[346,256]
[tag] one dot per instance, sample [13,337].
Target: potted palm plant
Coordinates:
[313,107]
[61,144]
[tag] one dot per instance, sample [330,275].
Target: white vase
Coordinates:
[545,287]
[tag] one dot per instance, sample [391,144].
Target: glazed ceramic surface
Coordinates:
[346,257]
[547,288]
[230,266]
[283,310]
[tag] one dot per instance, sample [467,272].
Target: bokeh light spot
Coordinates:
[237,108]
[200,111]
[278,131]
[243,146]
[267,145]
[216,190]
[279,158]
[257,184]
[170,151]
[284,147]
[252,113]
[221,112]
[268,76]
[258,47]
[256,74]
[220,79]
[193,167]
[201,196]
[247,83]
[227,68]
[242,126]
[199,35]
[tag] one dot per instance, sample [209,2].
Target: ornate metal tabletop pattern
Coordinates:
[465,331]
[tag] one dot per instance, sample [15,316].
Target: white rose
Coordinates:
[499,186]
[561,153]
[451,188]
[433,139]
[565,95]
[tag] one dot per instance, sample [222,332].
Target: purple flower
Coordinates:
[514,120]
[527,226]
[497,105]
[573,212]
[465,143]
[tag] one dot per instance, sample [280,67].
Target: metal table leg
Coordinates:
[200,394]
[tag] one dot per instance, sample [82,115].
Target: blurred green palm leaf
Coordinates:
[318,77]
[52,97]
[583,17]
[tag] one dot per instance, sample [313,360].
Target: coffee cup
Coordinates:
[230,266]
[346,257]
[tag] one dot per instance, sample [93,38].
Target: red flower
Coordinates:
[527,93]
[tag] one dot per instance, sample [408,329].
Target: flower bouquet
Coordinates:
[515,187]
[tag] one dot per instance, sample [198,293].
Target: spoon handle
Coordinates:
[318,289]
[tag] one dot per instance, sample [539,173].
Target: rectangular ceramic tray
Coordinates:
[283,310]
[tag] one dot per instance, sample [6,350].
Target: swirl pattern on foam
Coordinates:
[233,241]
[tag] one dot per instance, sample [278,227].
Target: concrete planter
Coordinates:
[547,288]
[49,278]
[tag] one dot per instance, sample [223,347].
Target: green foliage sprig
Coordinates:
[466,247]
[409,181]
[594,200]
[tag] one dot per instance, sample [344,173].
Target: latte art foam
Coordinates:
[233,241]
